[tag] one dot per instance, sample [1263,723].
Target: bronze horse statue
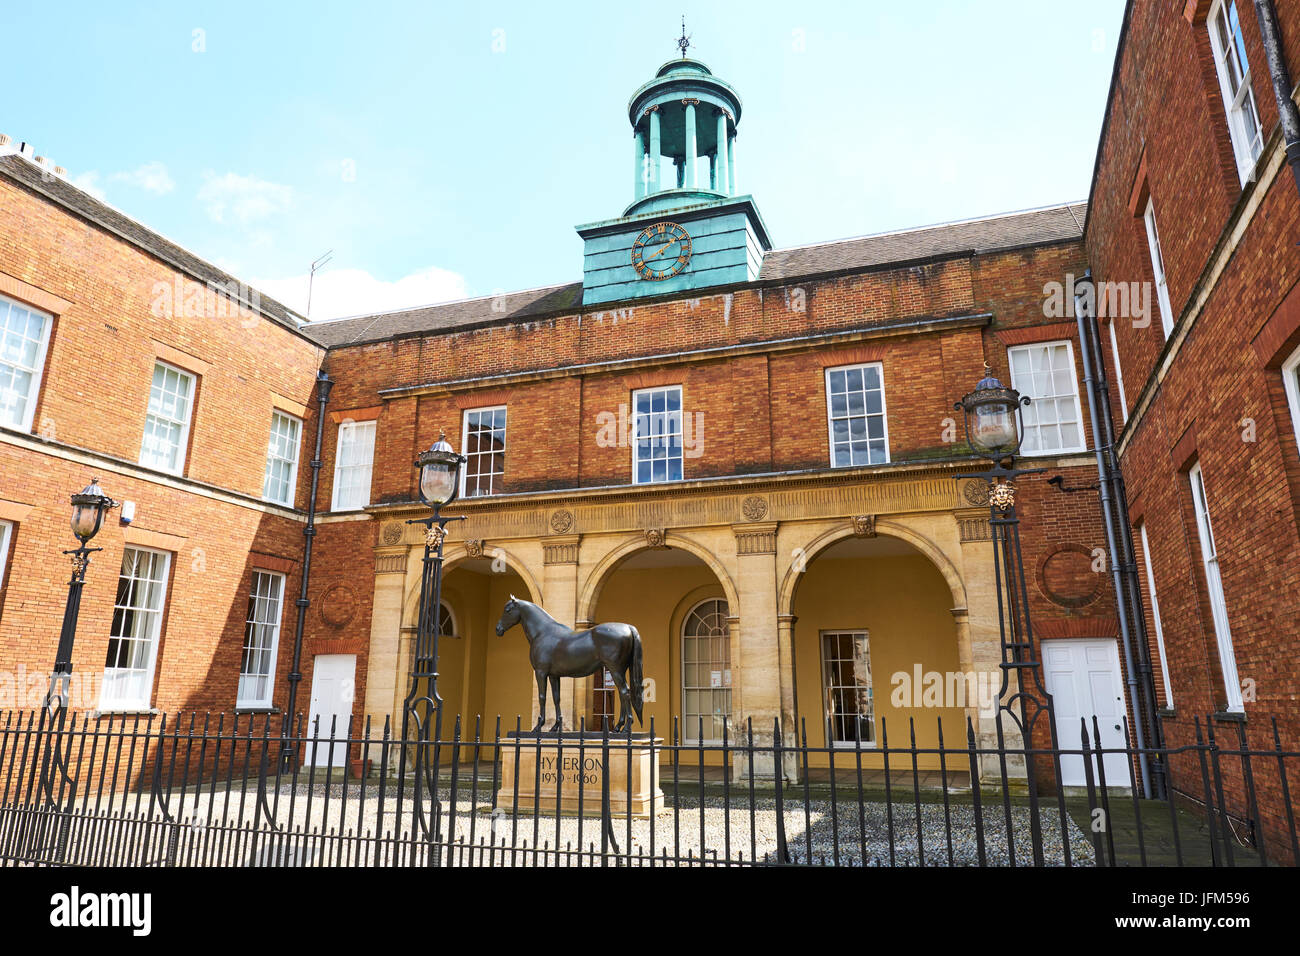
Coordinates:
[557,651]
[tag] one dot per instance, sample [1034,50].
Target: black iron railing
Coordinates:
[205,790]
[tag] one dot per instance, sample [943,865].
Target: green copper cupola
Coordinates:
[682,119]
[687,227]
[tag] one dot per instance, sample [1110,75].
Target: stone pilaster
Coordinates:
[560,588]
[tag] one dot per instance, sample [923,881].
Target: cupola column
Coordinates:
[721,180]
[691,154]
[639,169]
[655,152]
[731,163]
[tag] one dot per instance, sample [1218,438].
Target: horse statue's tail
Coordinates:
[637,680]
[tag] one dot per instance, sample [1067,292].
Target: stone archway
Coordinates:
[475,588]
[655,589]
[877,627]
[884,526]
[591,589]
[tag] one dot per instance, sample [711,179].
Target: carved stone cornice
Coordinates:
[756,537]
[561,549]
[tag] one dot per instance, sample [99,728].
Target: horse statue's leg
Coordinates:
[558,726]
[624,703]
[541,700]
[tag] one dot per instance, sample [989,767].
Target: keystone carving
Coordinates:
[864,526]
[655,538]
[474,547]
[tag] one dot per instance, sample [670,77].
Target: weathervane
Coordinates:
[684,41]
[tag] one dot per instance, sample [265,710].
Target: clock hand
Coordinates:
[661,250]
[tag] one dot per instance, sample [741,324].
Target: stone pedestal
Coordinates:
[571,762]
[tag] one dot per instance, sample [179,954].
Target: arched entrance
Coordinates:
[682,603]
[480,674]
[876,649]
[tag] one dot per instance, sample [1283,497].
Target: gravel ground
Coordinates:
[226,833]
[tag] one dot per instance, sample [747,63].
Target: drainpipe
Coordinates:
[323,386]
[1286,108]
[1103,440]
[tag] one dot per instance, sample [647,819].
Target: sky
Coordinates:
[441,150]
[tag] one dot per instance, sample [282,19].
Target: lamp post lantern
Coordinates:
[439,485]
[995,430]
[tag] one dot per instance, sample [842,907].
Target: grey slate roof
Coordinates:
[1010,231]
[63,193]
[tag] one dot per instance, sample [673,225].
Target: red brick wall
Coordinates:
[1221,402]
[94,395]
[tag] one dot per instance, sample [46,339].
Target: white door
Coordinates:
[1083,678]
[332,691]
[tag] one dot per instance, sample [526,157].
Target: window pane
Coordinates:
[856,406]
[1045,372]
[706,672]
[658,451]
[133,638]
[846,679]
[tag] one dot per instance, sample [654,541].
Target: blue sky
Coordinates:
[448,149]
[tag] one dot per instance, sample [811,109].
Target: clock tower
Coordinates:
[686,228]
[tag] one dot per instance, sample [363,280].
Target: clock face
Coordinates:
[661,251]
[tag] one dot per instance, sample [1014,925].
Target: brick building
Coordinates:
[748,452]
[1192,197]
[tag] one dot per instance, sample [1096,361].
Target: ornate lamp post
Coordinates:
[994,430]
[439,486]
[89,507]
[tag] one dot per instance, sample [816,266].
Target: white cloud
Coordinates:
[151,177]
[86,182]
[343,292]
[242,199]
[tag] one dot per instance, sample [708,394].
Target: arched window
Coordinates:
[446,621]
[706,672]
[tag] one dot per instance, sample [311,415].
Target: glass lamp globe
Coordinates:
[439,473]
[993,425]
[88,510]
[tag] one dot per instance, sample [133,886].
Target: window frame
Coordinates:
[1212,570]
[155,640]
[370,426]
[827,716]
[493,478]
[689,727]
[7,529]
[262,703]
[633,436]
[1119,373]
[293,462]
[1078,403]
[183,445]
[1156,253]
[830,417]
[1235,104]
[1291,383]
[1155,617]
[38,370]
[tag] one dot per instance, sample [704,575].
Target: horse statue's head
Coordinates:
[509,616]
